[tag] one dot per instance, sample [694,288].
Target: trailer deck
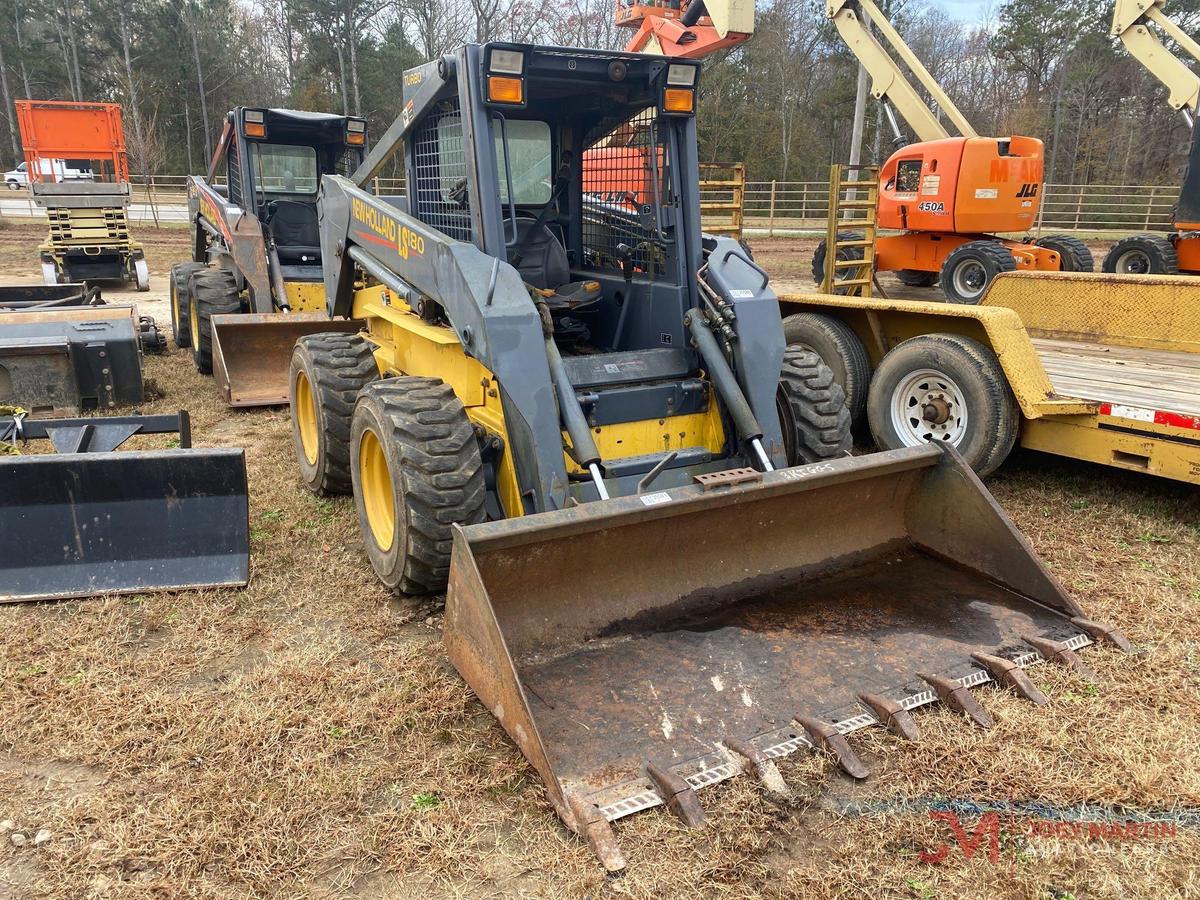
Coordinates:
[1129,376]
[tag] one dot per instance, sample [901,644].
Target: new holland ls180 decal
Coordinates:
[386,230]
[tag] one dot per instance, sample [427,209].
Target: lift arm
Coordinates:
[1131,23]
[692,30]
[888,81]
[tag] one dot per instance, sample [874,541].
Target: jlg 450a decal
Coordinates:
[930,206]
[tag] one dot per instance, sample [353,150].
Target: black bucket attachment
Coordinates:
[78,524]
[640,649]
[60,360]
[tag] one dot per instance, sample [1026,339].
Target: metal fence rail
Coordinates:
[773,207]
[790,206]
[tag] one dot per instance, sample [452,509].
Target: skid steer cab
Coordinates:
[256,247]
[577,415]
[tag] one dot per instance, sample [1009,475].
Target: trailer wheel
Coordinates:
[944,388]
[840,349]
[180,274]
[1142,254]
[141,275]
[416,470]
[916,278]
[211,292]
[846,253]
[1073,253]
[971,268]
[812,409]
[327,373]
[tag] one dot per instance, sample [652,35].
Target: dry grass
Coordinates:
[306,736]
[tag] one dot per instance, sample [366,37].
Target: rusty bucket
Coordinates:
[640,649]
[252,352]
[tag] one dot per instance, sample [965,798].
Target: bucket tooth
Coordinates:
[594,828]
[752,758]
[959,698]
[1060,654]
[1102,631]
[677,794]
[1009,674]
[826,736]
[892,716]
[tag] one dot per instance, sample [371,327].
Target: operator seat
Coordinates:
[544,265]
[294,227]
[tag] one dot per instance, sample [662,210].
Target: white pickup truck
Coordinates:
[51,169]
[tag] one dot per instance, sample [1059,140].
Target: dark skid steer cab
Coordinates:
[255,281]
[579,418]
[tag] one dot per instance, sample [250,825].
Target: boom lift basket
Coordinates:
[92,520]
[672,640]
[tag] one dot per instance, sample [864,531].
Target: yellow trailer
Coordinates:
[1077,364]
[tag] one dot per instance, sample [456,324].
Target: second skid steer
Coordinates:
[255,250]
[580,418]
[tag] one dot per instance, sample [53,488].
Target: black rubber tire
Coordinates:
[211,292]
[992,257]
[915,278]
[181,273]
[435,471]
[812,409]
[840,349]
[993,416]
[1073,253]
[818,263]
[1145,254]
[335,367]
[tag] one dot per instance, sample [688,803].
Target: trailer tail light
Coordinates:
[503,89]
[679,100]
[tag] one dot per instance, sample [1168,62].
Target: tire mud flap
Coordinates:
[252,352]
[83,524]
[641,649]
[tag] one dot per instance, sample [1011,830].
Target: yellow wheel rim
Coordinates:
[375,483]
[306,417]
[194,324]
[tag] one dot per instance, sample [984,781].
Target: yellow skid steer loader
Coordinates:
[255,250]
[579,417]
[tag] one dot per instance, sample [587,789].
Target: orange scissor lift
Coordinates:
[79,173]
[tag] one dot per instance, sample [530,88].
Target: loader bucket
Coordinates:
[640,649]
[81,524]
[252,352]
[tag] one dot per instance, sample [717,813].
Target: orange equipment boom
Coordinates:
[689,29]
[58,129]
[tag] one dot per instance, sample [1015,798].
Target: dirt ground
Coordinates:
[306,736]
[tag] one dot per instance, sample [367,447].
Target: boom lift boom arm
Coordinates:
[888,81]
[1131,23]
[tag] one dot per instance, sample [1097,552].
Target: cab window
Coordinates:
[285,168]
[529,154]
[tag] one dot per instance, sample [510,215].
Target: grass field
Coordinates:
[306,737]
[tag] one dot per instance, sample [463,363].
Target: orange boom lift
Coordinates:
[949,195]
